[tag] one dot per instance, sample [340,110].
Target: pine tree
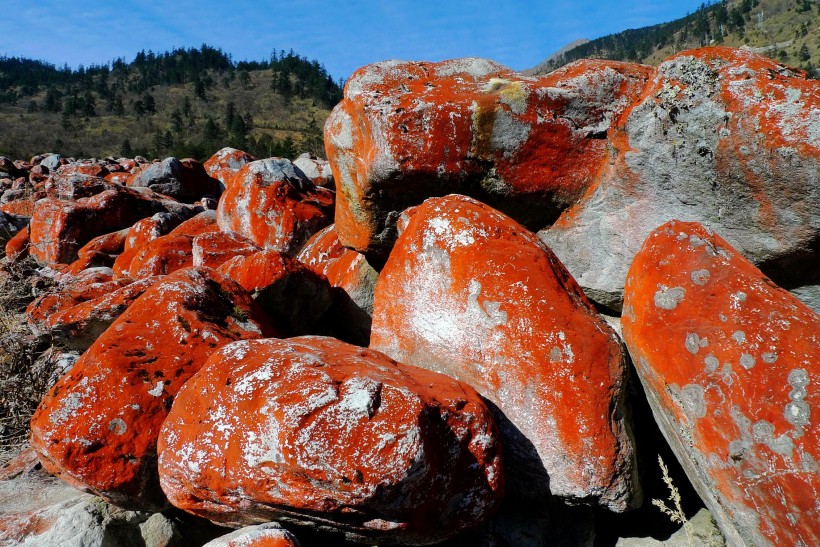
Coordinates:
[126,150]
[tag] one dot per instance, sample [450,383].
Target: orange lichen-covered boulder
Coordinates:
[406,131]
[59,228]
[79,326]
[722,136]
[354,281]
[86,285]
[292,294]
[211,249]
[17,247]
[269,534]
[225,163]
[316,169]
[469,292]
[73,185]
[101,251]
[314,430]
[162,256]
[98,426]
[274,205]
[730,364]
[185,180]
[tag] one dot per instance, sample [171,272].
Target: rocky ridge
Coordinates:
[451,379]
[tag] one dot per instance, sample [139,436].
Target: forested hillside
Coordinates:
[785,30]
[186,103]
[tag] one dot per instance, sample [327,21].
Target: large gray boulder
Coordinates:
[723,137]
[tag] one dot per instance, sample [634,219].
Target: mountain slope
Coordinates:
[187,102]
[785,30]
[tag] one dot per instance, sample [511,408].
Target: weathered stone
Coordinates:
[406,131]
[292,294]
[17,247]
[311,430]
[97,428]
[269,534]
[730,364]
[80,325]
[723,137]
[225,163]
[10,225]
[470,293]
[75,186]
[699,530]
[275,206]
[162,256]
[212,249]
[316,169]
[185,180]
[354,281]
[59,228]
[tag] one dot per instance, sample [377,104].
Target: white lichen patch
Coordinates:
[668,298]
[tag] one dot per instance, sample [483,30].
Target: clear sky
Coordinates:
[342,35]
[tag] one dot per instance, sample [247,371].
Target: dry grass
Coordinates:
[26,371]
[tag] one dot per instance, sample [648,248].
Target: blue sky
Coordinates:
[342,35]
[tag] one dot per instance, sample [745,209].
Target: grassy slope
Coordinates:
[24,133]
[780,36]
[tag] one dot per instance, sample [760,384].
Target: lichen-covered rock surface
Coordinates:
[269,534]
[472,294]
[274,205]
[730,364]
[406,131]
[314,431]
[721,136]
[97,428]
[354,281]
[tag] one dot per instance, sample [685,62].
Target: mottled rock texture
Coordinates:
[275,206]
[730,364]
[294,296]
[185,180]
[225,163]
[406,131]
[59,228]
[97,428]
[314,431]
[723,137]
[269,534]
[472,294]
[354,281]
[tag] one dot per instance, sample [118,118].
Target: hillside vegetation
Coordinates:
[186,103]
[785,30]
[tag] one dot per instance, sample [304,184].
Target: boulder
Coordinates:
[269,534]
[101,251]
[49,161]
[73,185]
[17,247]
[97,428]
[316,169]
[354,281]
[530,147]
[315,431]
[723,137]
[225,163]
[161,256]
[84,286]
[78,326]
[470,293]
[59,228]
[10,225]
[275,206]
[90,168]
[730,363]
[211,249]
[292,294]
[185,180]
